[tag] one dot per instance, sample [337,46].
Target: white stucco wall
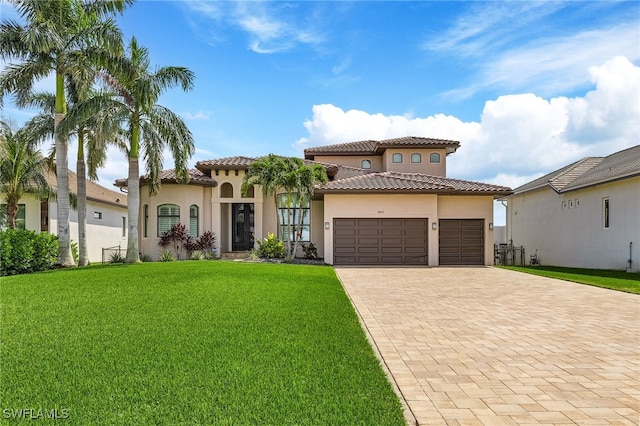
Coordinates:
[573,234]
[429,206]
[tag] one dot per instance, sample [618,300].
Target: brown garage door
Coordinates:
[461,242]
[380,241]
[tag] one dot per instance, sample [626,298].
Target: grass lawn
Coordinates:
[615,280]
[194,342]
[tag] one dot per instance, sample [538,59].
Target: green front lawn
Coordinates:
[615,280]
[191,342]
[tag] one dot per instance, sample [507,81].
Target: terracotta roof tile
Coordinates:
[225,163]
[376,147]
[196,177]
[409,182]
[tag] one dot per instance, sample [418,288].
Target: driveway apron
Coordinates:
[487,346]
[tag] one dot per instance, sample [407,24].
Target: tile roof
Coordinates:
[225,163]
[196,177]
[409,182]
[368,147]
[589,171]
[95,192]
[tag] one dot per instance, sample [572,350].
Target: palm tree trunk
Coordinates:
[12,211]
[83,258]
[65,258]
[133,208]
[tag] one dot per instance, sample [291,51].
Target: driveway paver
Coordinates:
[487,346]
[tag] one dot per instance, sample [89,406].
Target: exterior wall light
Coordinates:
[491,227]
[326,225]
[434,225]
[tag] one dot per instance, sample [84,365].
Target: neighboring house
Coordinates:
[106,216]
[585,215]
[387,202]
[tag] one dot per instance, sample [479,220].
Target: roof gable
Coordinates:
[589,171]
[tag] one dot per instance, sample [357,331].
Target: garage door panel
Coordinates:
[380,241]
[461,242]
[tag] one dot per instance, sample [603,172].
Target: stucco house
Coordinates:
[586,214]
[106,216]
[387,202]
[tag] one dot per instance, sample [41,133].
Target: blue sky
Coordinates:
[526,87]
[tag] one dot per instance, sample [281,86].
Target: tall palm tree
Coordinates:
[58,37]
[150,127]
[22,169]
[93,131]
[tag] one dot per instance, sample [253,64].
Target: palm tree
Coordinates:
[150,127]
[93,131]
[22,169]
[59,36]
[274,173]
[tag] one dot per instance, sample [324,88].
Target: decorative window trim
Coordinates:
[416,158]
[435,157]
[397,158]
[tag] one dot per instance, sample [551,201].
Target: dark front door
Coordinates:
[242,227]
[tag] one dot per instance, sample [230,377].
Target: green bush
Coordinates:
[271,247]
[23,251]
[167,256]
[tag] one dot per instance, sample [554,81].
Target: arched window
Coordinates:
[226,190]
[193,220]
[168,215]
[396,158]
[365,164]
[434,157]
[250,193]
[416,158]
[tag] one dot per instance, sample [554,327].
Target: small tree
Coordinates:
[177,237]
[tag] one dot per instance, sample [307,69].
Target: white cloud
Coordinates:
[518,138]
[198,115]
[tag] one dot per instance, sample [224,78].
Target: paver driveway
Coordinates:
[489,346]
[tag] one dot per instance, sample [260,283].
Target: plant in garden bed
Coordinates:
[167,256]
[271,247]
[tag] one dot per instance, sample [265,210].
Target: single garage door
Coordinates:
[461,242]
[380,241]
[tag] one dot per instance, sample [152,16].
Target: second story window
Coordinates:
[365,164]
[434,157]
[416,158]
[397,158]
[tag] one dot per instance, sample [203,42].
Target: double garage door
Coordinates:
[404,241]
[380,241]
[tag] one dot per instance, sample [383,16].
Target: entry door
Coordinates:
[243,227]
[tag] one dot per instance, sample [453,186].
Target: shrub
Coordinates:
[23,251]
[116,257]
[167,256]
[177,237]
[145,257]
[253,254]
[197,255]
[206,242]
[74,252]
[310,251]
[271,247]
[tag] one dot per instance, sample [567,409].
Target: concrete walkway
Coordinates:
[486,346]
